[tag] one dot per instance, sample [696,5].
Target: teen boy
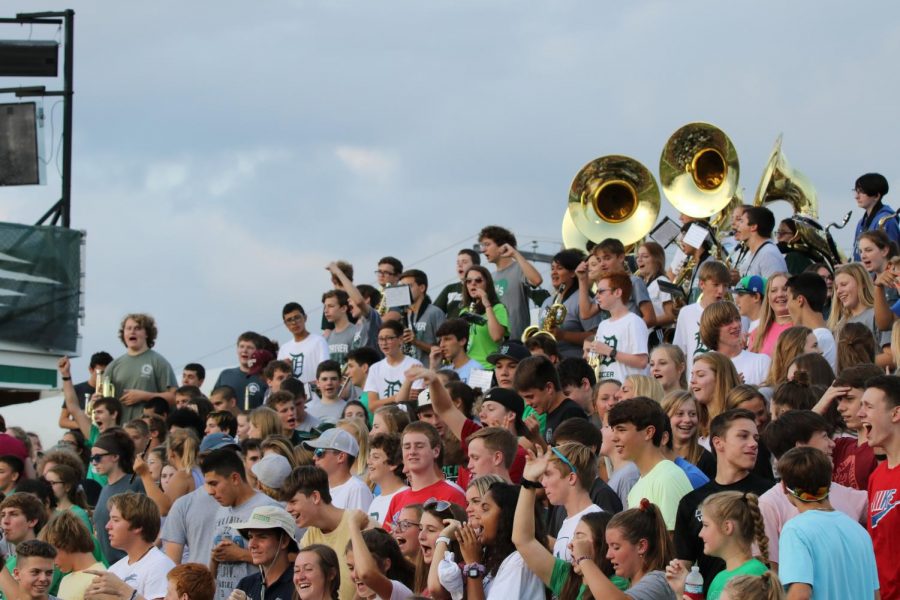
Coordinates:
[270,534]
[248,387]
[327,408]
[133,527]
[807,295]
[714,281]
[386,376]
[453,338]
[621,340]
[422,315]
[537,381]
[336,308]
[306,350]
[335,452]
[721,330]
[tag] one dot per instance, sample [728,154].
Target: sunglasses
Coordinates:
[320,452]
[475,280]
[96,458]
[436,505]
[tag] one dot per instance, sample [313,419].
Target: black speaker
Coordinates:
[27,58]
[18,144]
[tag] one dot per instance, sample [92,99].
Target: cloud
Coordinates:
[368,163]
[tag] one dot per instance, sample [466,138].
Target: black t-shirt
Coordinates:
[688,545]
[80,390]
[567,410]
[601,494]
[282,589]
[763,466]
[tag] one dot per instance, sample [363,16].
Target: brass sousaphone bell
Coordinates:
[611,197]
[699,170]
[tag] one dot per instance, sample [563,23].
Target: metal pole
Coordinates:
[68,94]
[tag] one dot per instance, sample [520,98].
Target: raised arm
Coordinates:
[532,276]
[71,398]
[440,399]
[348,286]
[365,565]
[538,558]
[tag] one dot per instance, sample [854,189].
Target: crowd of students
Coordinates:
[423,451]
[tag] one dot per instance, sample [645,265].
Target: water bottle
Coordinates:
[693,585]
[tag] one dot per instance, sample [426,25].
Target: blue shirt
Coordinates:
[695,476]
[829,551]
[865,224]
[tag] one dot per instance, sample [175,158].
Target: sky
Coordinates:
[225,152]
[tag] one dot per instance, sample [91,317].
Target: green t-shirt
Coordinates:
[91,474]
[11,562]
[147,371]
[562,570]
[541,418]
[480,342]
[751,567]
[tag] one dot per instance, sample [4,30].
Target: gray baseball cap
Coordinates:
[335,439]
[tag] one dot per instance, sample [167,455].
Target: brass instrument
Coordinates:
[553,318]
[883,220]
[699,170]
[612,197]
[571,236]
[781,182]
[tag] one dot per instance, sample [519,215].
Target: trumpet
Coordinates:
[472,317]
[553,318]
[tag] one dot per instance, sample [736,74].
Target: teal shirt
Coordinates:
[751,567]
[562,570]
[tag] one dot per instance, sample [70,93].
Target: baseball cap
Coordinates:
[513,350]
[424,399]
[508,398]
[270,517]
[750,284]
[335,439]
[12,446]
[217,440]
[271,470]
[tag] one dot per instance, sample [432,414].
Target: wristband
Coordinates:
[66,378]
[581,558]
[530,485]
[442,538]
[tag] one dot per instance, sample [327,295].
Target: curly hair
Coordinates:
[145,322]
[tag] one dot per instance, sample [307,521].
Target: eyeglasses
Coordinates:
[387,338]
[436,505]
[384,273]
[404,525]
[290,320]
[320,452]
[601,291]
[475,280]
[48,482]
[562,457]
[96,458]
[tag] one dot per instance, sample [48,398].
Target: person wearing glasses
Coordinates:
[386,376]
[306,350]
[487,328]
[112,456]
[621,340]
[335,452]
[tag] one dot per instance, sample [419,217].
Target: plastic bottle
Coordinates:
[693,585]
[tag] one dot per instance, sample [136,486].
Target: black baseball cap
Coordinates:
[512,350]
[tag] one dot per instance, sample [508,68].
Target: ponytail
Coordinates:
[743,510]
[646,523]
[184,444]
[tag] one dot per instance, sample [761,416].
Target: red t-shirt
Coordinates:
[853,463]
[436,491]
[515,471]
[884,527]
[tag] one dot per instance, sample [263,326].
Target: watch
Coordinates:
[474,570]
[613,353]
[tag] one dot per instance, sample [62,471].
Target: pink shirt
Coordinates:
[768,345]
[777,510]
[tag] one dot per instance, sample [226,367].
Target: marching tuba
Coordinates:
[553,318]
[611,197]
[781,182]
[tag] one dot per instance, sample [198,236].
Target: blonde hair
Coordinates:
[671,403]
[740,394]
[865,292]
[647,386]
[676,355]
[751,587]
[184,444]
[791,344]
[741,508]
[726,378]
[356,427]
[280,445]
[767,314]
[581,458]
[484,482]
[266,421]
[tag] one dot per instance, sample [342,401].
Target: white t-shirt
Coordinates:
[398,592]
[378,508]
[687,333]
[567,532]
[627,334]
[754,367]
[657,296]
[148,575]
[305,356]
[352,494]
[385,380]
[513,580]
[826,345]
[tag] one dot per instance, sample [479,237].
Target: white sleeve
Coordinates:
[515,580]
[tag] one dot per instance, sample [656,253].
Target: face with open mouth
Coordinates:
[309,577]
[135,335]
[871,256]
[777,294]
[878,417]
[428,534]
[406,531]
[703,382]
[684,422]
[626,557]
[665,369]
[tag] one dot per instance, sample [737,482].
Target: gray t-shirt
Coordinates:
[365,333]
[249,388]
[328,412]
[148,372]
[425,324]
[572,322]
[101,514]
[230,573]
[623,479]
[340,342]
[191,522]
[509,283]
[765,262]
[652,586]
